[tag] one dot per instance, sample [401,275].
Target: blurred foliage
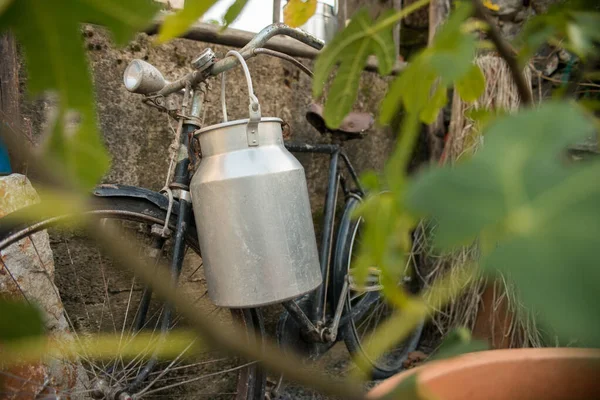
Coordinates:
[4,4]
[297,12]
[19,320]
[421,88]
[349,51]
[535,215]
[177,24]
[234,11]
[409,389]
[456,342]
[573,25]
[499,185]
[25,347]
[49,32]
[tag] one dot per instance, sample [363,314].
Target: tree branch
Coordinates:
[505,51]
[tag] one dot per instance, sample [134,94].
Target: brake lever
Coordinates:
[163,104]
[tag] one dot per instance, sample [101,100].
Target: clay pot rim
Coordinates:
[431,371]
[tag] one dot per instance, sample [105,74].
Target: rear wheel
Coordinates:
[61,268]
[366,310]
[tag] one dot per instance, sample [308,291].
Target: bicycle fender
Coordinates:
[112,190]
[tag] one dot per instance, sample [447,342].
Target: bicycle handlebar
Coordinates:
[247,52]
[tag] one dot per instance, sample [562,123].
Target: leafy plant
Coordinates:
[56,61]
[297,12]
[572,26]
[30,321]
[421,89]
[350,49]
[177,24]
[532,214]
[535,217]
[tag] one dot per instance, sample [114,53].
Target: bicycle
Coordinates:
[165,228]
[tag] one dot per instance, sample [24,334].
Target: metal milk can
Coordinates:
[252,212]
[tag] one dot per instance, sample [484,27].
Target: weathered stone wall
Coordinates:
[138,136]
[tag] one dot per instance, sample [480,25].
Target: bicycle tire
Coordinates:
[251,379]
[345,247]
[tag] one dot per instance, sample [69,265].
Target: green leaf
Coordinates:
[297,12]
[571,24]
[370,181]
[584,31]
[177,24]
[534,34]
[580,42]
[449,58]
[234,11]
[452,51]
[350,49]
[537,218]
[380,217]
[457,342]
[434,105]
[123,18]
[4,4]
[344,88]
[556,270]
[483,116]
[471,85]
[19,320]
[51,38]
[471,200]
[410,90]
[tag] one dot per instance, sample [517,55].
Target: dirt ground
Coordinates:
[337,363]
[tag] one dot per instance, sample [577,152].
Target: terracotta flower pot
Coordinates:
[515,374]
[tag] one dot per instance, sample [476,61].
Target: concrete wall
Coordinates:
[138,136]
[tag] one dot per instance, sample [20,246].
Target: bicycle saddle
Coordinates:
[354,126]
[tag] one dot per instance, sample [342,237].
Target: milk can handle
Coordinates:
[254,107]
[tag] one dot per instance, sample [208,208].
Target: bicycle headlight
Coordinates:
[143,78]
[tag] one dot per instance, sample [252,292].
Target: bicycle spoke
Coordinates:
[196,270]
[199,378]
[191,365]
[77,282]
[100,299]
[41,262]
[166,369]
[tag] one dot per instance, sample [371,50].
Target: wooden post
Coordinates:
[397,4]
[10,114]
[438,13]
[276,11]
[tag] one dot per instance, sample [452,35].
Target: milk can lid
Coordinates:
[234,123]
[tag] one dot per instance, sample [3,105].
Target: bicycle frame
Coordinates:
[317,313]
[316,319]
[315,323]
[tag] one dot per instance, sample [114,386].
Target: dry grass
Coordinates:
[463,140]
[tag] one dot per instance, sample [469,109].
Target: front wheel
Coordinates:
[365,311]
[61,268]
